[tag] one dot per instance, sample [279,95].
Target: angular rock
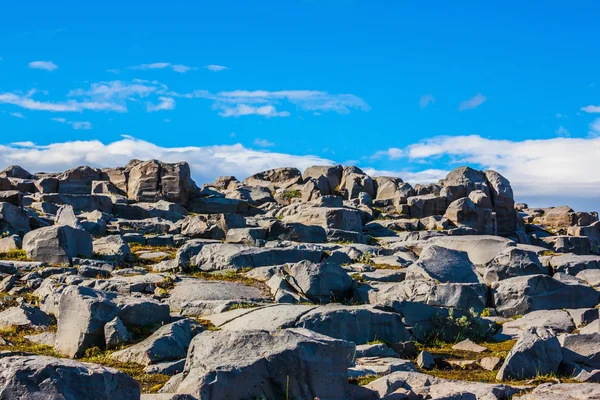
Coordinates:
[57,244]
[292,363]
[38,377]
[112,248]
[168,343]
[536,353]
[321,283]
[524,294]
[83,312]
[443,265]
[115,333]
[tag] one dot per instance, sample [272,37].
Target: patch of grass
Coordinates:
[15,255]
[150,383]
[137,248]
[291,194]
[8,301]
[229,275]
[363,380]
[238,306]
[366,258]
[357,277]
[454,328]
[209,326]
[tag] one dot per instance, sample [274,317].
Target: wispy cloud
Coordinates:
[17,115]
[263,102]
[263,143]
[166,103]
[45,65]
[26,101]
[562,131]
[472,103]
[162,65]
[77,125]
[393,153]
[591,109]
[207,163]
[244,109]
[215,68]
[426,100]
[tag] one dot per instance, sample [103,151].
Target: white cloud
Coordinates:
[77,125]
[562,131]
[17,115]
[472,103]
[263,143]
[431,175]
[426,100]
[207,163]
[45,65]
[26,101]
[244,109]
[591,109]
[549,168]
[215,68]
[118,90]
[166,103]
[393,153]
[162,65]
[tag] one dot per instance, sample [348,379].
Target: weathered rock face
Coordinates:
[537,352]
[82,316]
[321,283]
[512,262]
[37,378]
[78,180]
[523,294]
[13,219]
[153,180]
[354,181]
[503,202]
[464,213]
[332,177]
[443,265]
[293,363]
[426,205]
[57,244]
[489,184]
[168,343]
[329,218]
[278,177]
[389,188]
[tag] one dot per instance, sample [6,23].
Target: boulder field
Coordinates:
[136,283]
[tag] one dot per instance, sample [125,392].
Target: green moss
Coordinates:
[150,383]
[15,255]
[291,194]
[363,380]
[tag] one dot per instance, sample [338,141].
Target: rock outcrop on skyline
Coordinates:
[135,282]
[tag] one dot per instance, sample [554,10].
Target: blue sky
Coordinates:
[406,88]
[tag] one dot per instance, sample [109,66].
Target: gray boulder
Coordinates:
[292,363]
[536,353]
[358,324]
[524,294]
[112,248]
[116,333]
[321,283]
[66,216]
[443,265]
[57,244]
[83,312]
[511,262]
[168,343]
[13,219]
[40,378]
[583,349]
[345,219]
